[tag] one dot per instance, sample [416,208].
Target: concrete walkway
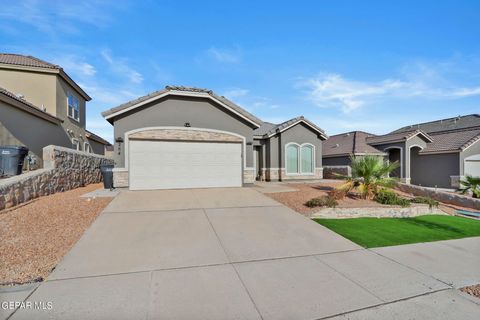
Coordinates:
[237,254]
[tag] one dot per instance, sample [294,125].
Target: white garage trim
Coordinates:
[471,165]
[128,133]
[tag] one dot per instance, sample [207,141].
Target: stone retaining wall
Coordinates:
[331,172]
[376,212]
[64,169]
[441,196]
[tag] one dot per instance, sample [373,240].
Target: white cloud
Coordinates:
[57,15]
[120,67]
[420,82]
[235,93]
[225,55]
[75,65]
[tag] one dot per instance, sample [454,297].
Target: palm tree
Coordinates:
[368,174]
[472,184]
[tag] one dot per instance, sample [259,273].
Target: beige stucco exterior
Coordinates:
[48,89]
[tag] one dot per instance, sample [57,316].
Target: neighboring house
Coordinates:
[338,148]
[183,137]
[50,93]
[434,154]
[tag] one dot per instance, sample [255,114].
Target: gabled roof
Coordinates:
[460,122]
[349,143]
[93,136]
[398,137]
[182,91]
[452,140]
[18,61]
[269,129]
[26,106]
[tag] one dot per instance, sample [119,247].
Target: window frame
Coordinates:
[87,147]
[299,159]
[75,141]
[74,99]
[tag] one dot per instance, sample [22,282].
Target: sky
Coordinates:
[345,65]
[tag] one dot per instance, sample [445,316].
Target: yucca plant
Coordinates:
[369,173]
[470,184]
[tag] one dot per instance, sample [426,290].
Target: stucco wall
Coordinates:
[434,169]
[18,127]
[38,88]
[65,169]
[97,147]
[472,150]
[176,111]
[77,127]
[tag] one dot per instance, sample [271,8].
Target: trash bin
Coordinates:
[11,160]
[107,174]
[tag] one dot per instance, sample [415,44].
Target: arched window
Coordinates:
[307,159]
[300,159]
[292,159]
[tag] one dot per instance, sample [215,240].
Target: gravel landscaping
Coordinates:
[296,199]
[35,236]
[472,290]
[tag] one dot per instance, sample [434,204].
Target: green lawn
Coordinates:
[381,232]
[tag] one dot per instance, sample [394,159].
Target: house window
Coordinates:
[292,159]
[75,144]
[307,159]
[73,107]
[87,147]
[300,159]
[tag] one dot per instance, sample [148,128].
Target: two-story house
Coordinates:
[41,105]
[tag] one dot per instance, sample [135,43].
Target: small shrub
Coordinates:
[389,197]
[426,200]
[324,201]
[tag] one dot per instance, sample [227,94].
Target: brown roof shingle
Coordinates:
[28,61]
[459,122]
[349,143]
[452,140]
[399,136]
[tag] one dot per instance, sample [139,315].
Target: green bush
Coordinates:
[324,201]
[385,196]
[426,200]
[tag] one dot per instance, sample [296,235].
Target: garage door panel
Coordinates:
[472,167]
[166,165]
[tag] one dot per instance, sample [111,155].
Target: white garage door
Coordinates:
[472,166]
[175,165]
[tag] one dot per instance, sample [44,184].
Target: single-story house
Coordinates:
[434,154]
[184,137]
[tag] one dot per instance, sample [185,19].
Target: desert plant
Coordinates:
[324,201]
[369,173]
[470,184]
[425,200]
[337,194]
[385,196]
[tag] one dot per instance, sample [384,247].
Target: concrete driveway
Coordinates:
[233,254]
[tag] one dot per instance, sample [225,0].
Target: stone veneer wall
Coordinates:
[442,196]
[332,172]
[376,212]
[64,169]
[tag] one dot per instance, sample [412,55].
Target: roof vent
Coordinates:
[348,134]
[20,96]
[336,145]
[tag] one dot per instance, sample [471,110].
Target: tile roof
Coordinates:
[28,61]
[93,136]
[452,140]
[460,122]
[167,89]
[398,136]
[349,143]
[268,129]
[29,106]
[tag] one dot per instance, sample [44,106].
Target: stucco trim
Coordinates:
[401,158]
[320,133]
[128,133]
[184,94]
[184,135]
[300,173]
